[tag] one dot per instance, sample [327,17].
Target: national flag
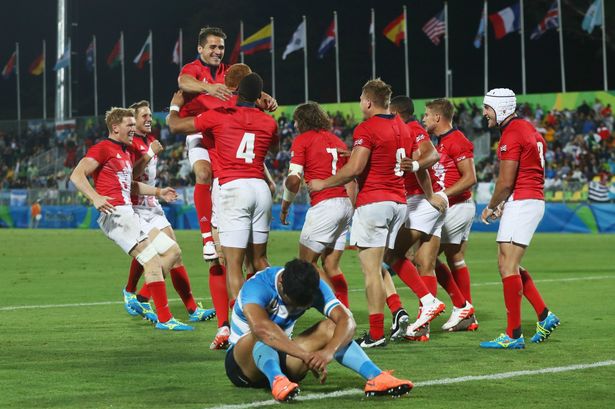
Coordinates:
[328,42]
[10,66]
[236,50]
[145,53]
[37,66]
[550,21]
[297,42]
[435,28]
[394,31]
[259,41]
[89,57]
[115,57]
[506,21]
[64,60]
[593,16]
[176,53]
[480,33]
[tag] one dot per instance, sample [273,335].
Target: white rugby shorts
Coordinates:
[458,222]
[326,225]
[377,224]
[520,220]
[151,217]
[123,227]
[196,151]
[423,217]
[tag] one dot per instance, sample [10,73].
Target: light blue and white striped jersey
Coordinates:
[262,290]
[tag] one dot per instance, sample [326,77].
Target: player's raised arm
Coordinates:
[177,124]
[79,177]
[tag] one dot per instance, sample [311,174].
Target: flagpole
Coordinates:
[523,85]
[44,79]
[240,40]
[151,71]
[561,44]
[122,66]
[70,80]
[373,40]
[486,51]
[181,48]
[604,71]
[446,62]
[95,77]
[18,89]
[337,59]
[272,59]
[305,59]
[406,72]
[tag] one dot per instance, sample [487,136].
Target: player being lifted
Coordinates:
[145,150]
[518,198]
[242,135]
[109,162]
[261,353]
[314,155]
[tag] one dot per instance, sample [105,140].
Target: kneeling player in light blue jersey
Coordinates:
[261,352]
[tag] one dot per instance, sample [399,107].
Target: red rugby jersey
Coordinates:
[388,139]
[242,136]
[522,143]
[202,72]
[140,146]
[453,147]
[113,176]
[317,152]
[420,136]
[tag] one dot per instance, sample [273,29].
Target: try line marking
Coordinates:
[96,303]
[444,381]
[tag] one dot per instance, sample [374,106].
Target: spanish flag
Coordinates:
[259,41]
[37,66]
[394,31]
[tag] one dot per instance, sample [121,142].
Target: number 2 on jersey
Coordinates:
[246,148]
[333,153]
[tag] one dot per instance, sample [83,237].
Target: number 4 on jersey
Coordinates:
[246,148]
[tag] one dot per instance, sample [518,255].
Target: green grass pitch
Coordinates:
[57,354]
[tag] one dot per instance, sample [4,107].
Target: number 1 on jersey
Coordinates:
[246,147]
[333,153]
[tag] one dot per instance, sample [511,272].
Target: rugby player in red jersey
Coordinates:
[315,154]
[455,172]
[380,143]
[519,187]
[202,78]
[242,135]
[110,164]
[145,150]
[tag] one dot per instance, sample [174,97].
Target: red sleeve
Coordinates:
[98,153]
[190,69]
[297,151]
[362,137]
[510,148]
[419,139]
[205,121]
[461,150]
[274,132]
[408,140]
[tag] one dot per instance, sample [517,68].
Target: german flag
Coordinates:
[37,66]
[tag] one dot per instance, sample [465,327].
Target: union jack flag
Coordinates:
[435,28]
[550,21]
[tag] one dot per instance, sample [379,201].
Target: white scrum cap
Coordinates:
[503,101]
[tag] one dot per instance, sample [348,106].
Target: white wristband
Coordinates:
[150,152]
[415,166]
[288,195]
[174,108]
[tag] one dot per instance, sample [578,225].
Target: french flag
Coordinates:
[328,42]
[505,21]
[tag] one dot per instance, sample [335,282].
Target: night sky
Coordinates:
[29,22]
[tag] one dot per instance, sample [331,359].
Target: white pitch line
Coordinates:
[97,303]
[444,381]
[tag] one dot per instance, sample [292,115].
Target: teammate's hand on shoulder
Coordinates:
[168,194]
[101,203]
[316,185]
[219,91]
[178,98]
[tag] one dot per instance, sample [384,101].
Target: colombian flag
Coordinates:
[259,41]
[394,31]
[37,66]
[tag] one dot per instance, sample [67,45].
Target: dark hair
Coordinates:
[379,92]
[210,31]
[300,282]
[311,117]
[403,105]
[250,87]
[442,106]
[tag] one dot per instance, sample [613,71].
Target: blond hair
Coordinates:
[443,107]
[116,115]
[379,92]
[138,105]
